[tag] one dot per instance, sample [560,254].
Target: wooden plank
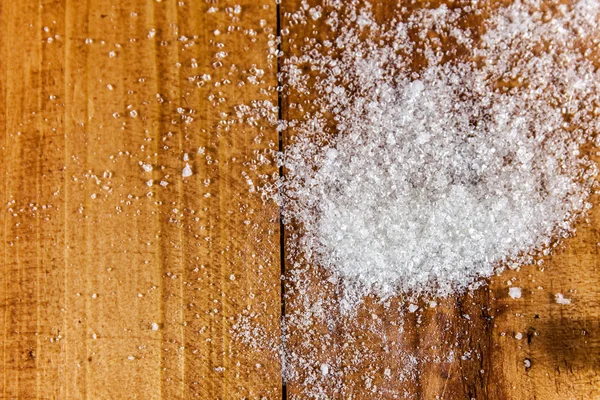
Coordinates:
[112,288]
[465,347]
[561,342]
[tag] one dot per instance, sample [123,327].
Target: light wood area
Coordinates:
[114,289]
[110,288]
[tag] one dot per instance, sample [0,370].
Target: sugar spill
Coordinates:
[422,153]
[424,179]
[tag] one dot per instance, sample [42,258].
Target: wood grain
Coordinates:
[466,347]
[112,289]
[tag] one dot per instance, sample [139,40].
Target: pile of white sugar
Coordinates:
[425,178]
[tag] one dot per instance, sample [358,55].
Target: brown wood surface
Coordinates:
[465,347]
[92,256]
[111,289]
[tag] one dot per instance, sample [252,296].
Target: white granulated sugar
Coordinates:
[560,299]
[147,167]
[433,177]
[187,171]
[514,292]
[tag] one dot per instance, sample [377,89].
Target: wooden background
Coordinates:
[113,289]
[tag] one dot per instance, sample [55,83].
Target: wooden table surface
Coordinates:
[113,288]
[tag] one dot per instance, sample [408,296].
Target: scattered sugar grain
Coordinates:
[187,171]
[514,292]
[412,308]
[560,299]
